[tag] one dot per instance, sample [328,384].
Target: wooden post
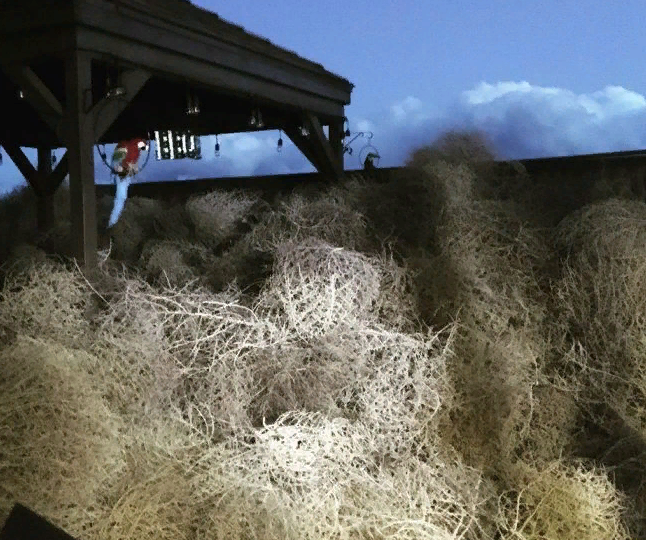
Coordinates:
[45,199]
[322,148]
[305,146]
[336,135]
[79,137]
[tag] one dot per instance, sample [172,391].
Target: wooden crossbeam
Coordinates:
[23,164]
[166,58]
[104,113]
[322,144]
[42,180]
[37,94]
[305,146]
[55,179]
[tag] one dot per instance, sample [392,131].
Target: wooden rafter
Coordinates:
[23,164]
[38,95]
[204,72]
[305,146]
[56,177]
[322,145]
[209,44]
[107,110]
[43,183]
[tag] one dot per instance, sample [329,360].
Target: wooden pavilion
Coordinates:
[74,73]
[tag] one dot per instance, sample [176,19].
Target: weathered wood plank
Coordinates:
[322,145]
[335,136]
[57,176]
[202,72]
[45,200]
[207,48]
[80,150]
[211,47]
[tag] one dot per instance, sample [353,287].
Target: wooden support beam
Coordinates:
[37,94]
[208,43]
[106,111]
[43,183]
[336,136]
[305,146]
[203,71]
[78,134]
[322,145]
[23,164]
[44,200]
[57,176]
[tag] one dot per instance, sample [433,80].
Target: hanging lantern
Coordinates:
[346,133]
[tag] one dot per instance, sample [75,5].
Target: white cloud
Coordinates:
[409,106]
[363,125]
[523,120]
[487,93]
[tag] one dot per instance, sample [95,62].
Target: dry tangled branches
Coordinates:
[167,401]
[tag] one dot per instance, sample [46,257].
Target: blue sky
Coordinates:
[541,77]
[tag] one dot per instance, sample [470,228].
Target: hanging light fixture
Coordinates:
[346,133]
[53,158]
[304,131]
[113,85]
[192,104]
[279,145]
[217,146]
[256,119]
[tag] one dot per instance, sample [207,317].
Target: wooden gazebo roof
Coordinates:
[57,56]
[180,45]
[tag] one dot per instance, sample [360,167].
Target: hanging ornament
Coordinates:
[279,146]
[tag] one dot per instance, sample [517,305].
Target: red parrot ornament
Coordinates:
[126,156]
[124,165]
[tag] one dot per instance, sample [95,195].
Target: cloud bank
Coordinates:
[521,119]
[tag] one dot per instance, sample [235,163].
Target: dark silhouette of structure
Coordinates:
[74,73]
[25,524]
